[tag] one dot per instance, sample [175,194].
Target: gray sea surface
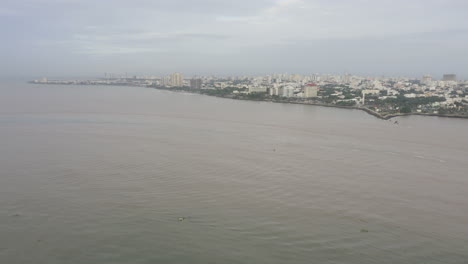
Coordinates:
[102,174]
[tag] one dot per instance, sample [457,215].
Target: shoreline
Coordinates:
[365,109]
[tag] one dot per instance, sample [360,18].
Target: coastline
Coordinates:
[365,109]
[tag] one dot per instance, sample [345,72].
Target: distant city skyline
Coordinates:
[175,78]
[381,97]
[396,38]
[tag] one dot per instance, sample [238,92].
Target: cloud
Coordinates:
[231,33]
[283,5]
[8,12]
[137,42]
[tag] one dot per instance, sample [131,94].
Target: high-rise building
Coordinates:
[310,90]
[347,78]
[195,83]
[426,79]
[273,90]
[177,79]
[166,81]
[295,77]
[449,78]
[288,91]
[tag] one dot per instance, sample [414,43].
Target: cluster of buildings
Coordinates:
[173,80]
[451,90]
[332,89]
[382,94]
[302,86]
[177,80]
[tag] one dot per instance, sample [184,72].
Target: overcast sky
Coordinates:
[200,37]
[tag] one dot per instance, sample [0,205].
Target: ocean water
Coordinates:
[92,174]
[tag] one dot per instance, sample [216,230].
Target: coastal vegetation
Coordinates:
[343,96]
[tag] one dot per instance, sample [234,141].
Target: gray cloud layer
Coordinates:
[84,37]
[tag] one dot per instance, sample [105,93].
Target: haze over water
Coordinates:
[102,174]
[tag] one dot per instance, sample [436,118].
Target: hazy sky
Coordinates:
[367,37]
